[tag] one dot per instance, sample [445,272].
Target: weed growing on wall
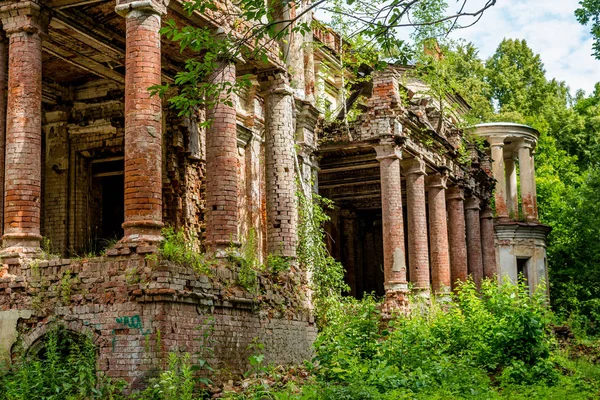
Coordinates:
[327,275]
[178,246]
[248,262]
[175,383]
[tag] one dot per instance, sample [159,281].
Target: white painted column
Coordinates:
[527,179]
[511,186]
[499,172]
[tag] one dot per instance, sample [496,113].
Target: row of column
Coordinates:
[25,24]
[505,172]
[457,240]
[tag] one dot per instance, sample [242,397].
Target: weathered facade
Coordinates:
[412,194]
[93,161]
[520,237]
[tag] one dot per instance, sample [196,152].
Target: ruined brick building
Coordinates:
[91,158]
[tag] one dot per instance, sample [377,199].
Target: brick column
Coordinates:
[24,24]
[457,235]
[511,187]
[350,234]
[498,170]
[474,254]
[282,207]
[3,70]
[394,256]
[222,178]
[418,252]
[488,242]
[143,120]
[527,178]
[438,233]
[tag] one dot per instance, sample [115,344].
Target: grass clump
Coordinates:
[181,247]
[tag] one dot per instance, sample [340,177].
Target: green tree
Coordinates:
[589,14]
[260,32]
[514,84]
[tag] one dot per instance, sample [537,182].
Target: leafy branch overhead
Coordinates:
[589,14]
[259,33]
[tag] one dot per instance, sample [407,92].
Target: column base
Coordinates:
[395,302]
[142,232]
[25,245]
[221,248]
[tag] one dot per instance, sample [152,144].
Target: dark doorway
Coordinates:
[108,192]
[369,247]
[523,268]
[113,206]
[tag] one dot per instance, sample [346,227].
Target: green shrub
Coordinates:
[65,368]
[175,383]
[499,334]
[181,247]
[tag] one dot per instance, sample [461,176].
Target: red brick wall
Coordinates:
[140,310]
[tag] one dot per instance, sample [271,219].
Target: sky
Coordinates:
[551,30]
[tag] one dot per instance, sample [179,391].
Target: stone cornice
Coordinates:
[158,7]
[23,16]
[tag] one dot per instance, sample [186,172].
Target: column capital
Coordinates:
[524,144]
[125,7]
[472,203]
[388,148]
[486,213]
[23,16]
[438,180]
[274,81]
[455,192]
[496,141]
[415,165]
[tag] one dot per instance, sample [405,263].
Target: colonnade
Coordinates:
[504,166]
[25,25]
[458,239]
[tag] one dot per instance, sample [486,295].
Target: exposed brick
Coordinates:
[438,233]
[23,24]
[418,252]
[281,204]
[474,253]
[143,127]
[222,214]
[394,254]
[488,243]
[457,235]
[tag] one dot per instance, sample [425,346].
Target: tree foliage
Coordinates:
[262,33]
[589,14]
[512,86]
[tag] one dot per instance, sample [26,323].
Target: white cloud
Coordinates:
[551,30]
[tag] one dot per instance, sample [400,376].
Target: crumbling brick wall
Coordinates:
[138,310]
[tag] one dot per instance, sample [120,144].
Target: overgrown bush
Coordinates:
[499,335]
[327,274]
[175,383]
[65,368]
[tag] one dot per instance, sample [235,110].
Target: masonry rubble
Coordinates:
[92,161]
